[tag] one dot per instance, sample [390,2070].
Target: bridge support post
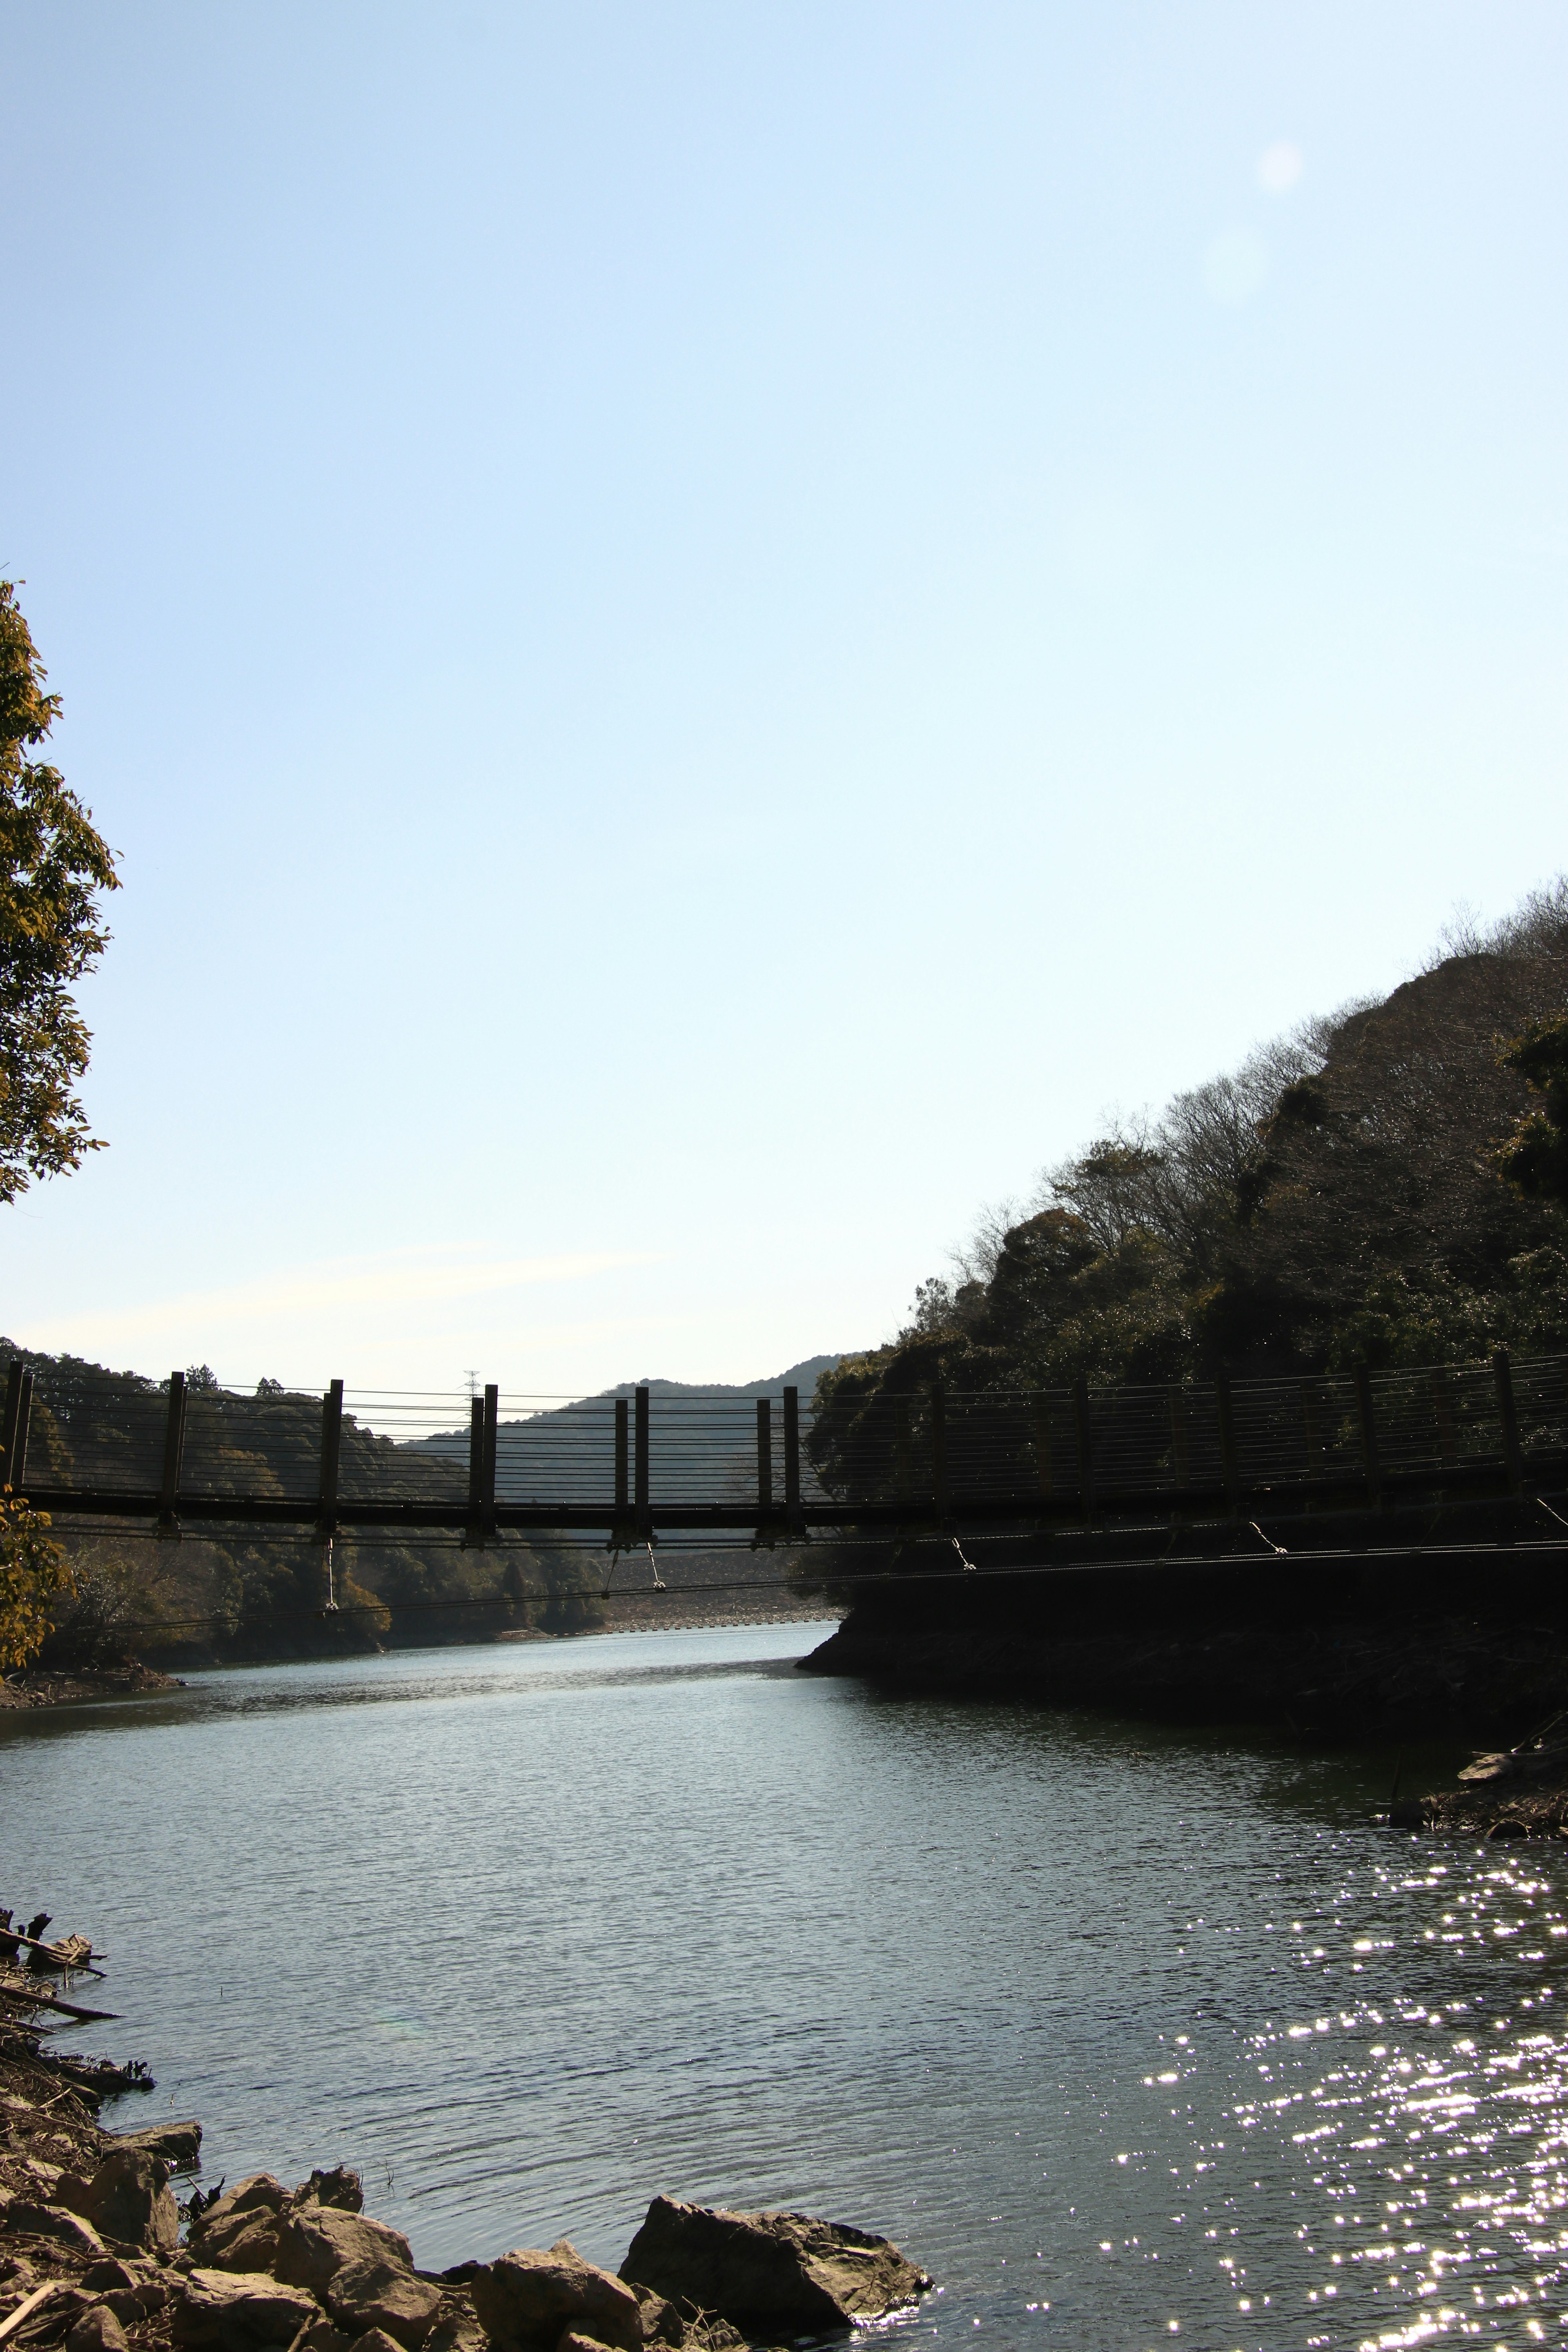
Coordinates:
[765,1455]
[487,1464]
[1181,1468]
[1371,1464]
[640,1496]
[1508,1413]
[1085,1434]
[793,1518]
[1040,1425]
[173,1454]
[938,1452]
[1229,1466]
[474,1532]
[332,1447]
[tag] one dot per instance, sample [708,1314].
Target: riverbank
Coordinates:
[1363,1647]
[40,1686]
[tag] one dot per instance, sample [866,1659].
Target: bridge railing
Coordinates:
[621,1465]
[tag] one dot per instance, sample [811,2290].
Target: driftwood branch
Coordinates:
[32,1997]
[28,2306]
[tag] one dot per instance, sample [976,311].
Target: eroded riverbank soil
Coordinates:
[1441,1648]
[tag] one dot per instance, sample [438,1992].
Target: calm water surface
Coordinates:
[1128,2035]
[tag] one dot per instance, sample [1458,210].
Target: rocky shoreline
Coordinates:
[98,2255]
[40,1686]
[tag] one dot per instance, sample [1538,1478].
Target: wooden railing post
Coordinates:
[1180,1465]
[23,1423]
[639,1469]
[1372,1466]
[1508,1413]
[13,1406]
[1230,1467]
[173,1454]
[1085,1433]
[792,1515]
[622,1461]
[1040,1422]
[939,1451]
[332,1447]
[765,1455]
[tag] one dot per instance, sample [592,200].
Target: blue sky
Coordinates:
[705,631]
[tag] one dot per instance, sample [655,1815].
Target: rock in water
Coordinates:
[770,2273]
[340,2187]
[179,2145]
[527,2300]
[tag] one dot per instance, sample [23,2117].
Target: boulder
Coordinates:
[258,2190]
[238,2314]
[103,2277]
[375,2340]
[384,2296]
[770,2273]
[527,2299]
[661,2323]
[458,2328]
[244,2241]
[315,2242]
[56,2221]
[129,2199]
[179,2145]
[96,2330]
[126,2304]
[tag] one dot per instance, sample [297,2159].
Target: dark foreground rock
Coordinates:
[770,2273]
[529,2299]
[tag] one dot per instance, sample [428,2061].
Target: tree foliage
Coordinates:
[1340,1197]
[33,1571]
[1535,1157]
[53,867]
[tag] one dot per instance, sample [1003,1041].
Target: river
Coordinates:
[1126,2034]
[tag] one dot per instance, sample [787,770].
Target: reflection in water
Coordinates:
[1126,2035]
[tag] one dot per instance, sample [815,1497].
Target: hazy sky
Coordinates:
[705,630]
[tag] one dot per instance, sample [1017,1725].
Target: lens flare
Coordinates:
[1279,167]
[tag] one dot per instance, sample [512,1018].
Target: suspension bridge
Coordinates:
[1076,1466]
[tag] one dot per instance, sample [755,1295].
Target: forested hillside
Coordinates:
[1383,1185]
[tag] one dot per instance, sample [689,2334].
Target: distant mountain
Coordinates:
[803,1376]
[702,1440]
